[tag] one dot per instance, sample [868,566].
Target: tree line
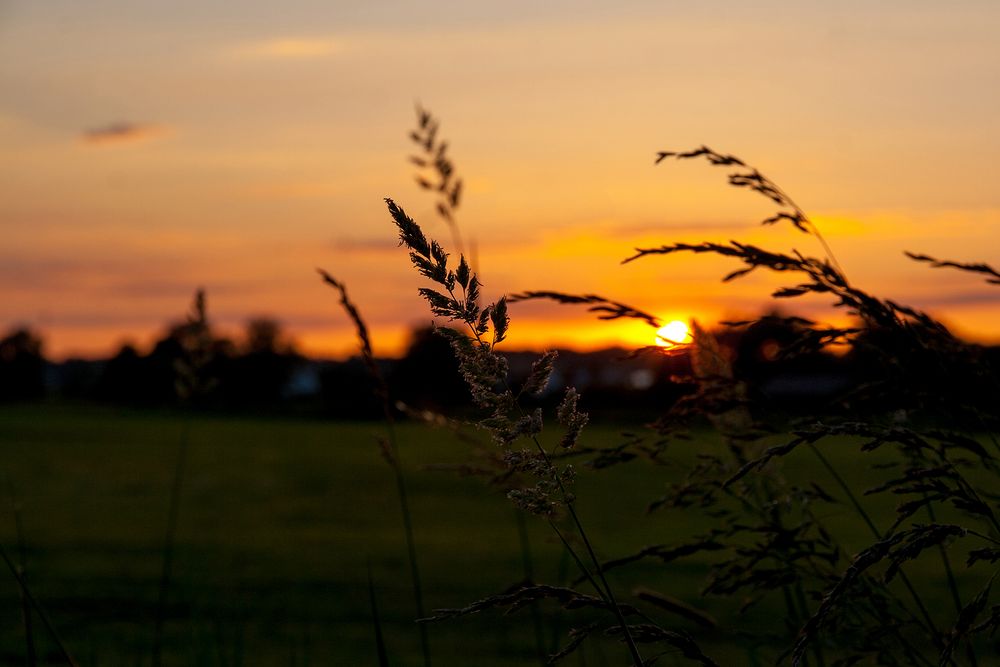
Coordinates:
[263,370]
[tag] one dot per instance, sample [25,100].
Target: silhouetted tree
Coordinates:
[264,335]
[899,371]
[22,366]
[260,375]
[427,377]
[348,391]
[123,376]
[183,366]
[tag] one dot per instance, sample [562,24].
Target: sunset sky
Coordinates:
[150,148]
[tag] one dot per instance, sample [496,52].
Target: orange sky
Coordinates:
[151,148]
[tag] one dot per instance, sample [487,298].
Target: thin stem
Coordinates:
[456,236]
[411,548]
[847,490]
[22,552]
[985,537]
[815,230]
[993,439]
[383,658]
[169,543]
[952,583]
[529,575]
[935,633]
[382,393]
[38,608]
[579,563]
[817,648]
[793,615]
[972,491]
[633,649]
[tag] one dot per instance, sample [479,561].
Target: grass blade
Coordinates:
[38,608]
[383,658]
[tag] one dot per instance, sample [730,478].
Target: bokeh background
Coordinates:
[150,148]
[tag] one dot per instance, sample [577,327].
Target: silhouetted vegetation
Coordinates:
[906,388]
[833,487]
[22,366]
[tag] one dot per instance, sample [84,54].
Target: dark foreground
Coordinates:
[277,522]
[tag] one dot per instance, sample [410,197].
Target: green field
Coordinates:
[278,519]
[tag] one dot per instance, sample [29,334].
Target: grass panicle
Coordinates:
[436,171]
[485,372]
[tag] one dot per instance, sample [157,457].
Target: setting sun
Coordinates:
[673,333]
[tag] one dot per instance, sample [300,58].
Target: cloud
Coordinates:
[366,245]
[121,132]
[294,48]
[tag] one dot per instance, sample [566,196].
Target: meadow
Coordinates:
[279,518]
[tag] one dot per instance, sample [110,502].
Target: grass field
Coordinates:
[278,519]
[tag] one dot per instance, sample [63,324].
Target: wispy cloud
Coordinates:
[380,246]
[121,132]
[288,48]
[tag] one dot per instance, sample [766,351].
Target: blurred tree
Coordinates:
[427,377]
[123,376]
[261,374]
[265,335]
[22,366]
[185,365]
[348,391]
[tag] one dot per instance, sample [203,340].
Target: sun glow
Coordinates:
[672,334]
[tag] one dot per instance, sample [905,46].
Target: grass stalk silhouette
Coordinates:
[30,654]
[169,543]
[192,383]
[827,277]
[390,452]
[437,173]
[26,592]
[804,554]
[529,576]
[380,649]
[484,370]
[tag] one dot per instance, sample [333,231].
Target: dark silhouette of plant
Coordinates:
[437,172]
[926,400]
[193,382]
[390,452]
[549,495]
[922,367]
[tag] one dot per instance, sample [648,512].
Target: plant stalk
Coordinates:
[169,543]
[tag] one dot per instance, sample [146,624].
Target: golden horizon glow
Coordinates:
[239,155]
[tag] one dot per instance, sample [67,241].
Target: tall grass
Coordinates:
[30,654]
[193,381]
[921,421]
[390,452]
